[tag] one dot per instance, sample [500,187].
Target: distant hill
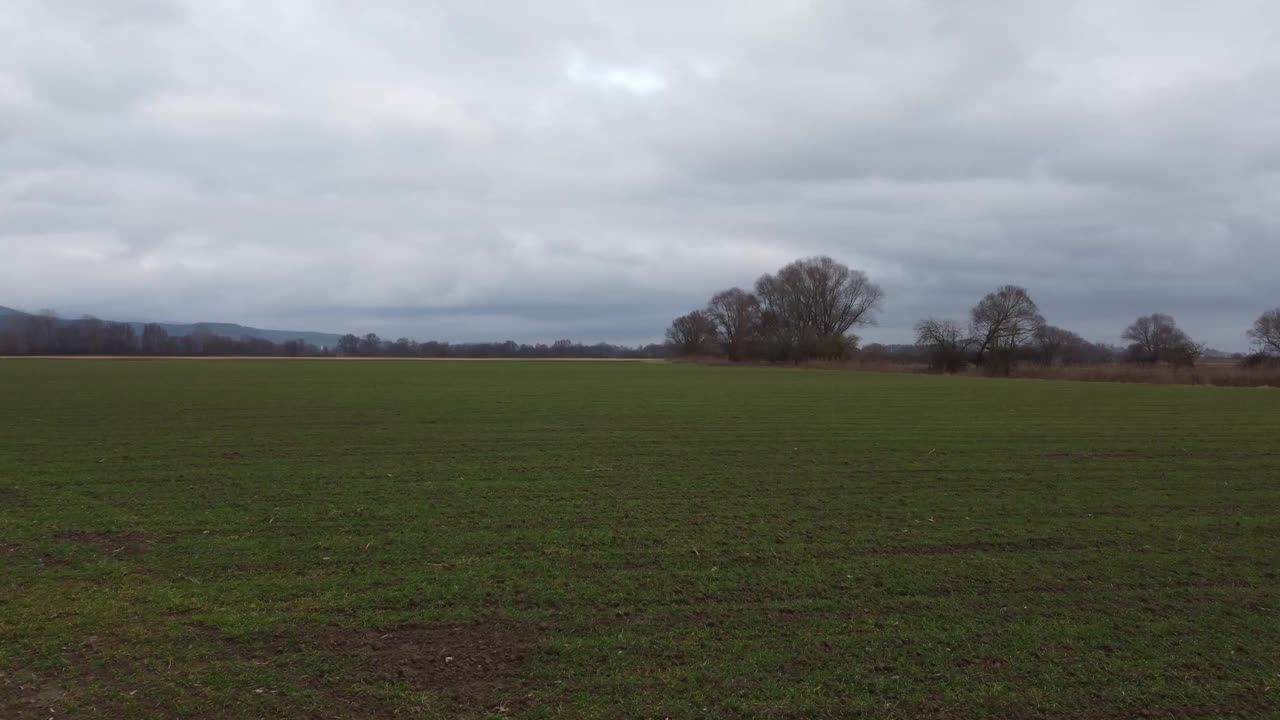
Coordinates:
[231,330]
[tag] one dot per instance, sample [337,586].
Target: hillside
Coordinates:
[231,330]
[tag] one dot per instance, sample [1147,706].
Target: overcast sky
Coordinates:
[537,170]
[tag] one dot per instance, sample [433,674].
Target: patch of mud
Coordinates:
[986,666]
[477,666]
[22,698]
[116,542]
[12,497]
[16,550]
[964,548]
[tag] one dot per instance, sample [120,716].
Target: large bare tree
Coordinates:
[1266,332]
[155,339]
[692,334]
[946,341]
[1157,338]
[1002,322]
[821,297]
[736,314]
[1054,345]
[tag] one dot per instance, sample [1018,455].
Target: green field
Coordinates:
[241,539]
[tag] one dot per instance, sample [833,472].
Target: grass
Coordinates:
[249,539]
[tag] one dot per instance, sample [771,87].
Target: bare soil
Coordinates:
[116,542]
[20,697]
[478,666]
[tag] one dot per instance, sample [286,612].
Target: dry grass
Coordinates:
[329,358]
[863,365]
[1224,373]
[867,365]
[1229,374]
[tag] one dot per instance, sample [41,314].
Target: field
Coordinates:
[246,539]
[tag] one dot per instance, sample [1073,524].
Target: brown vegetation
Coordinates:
[122,542]
[475,665]
[860,364]
[1229,374]
[1226,374]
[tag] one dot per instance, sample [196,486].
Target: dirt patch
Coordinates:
[1144,712]
[966,548]
[116,542]
[985,667]
[22,697]
[12,549]
[1011,546]
[12,497]
[477,666]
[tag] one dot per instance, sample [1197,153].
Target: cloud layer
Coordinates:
[468,171]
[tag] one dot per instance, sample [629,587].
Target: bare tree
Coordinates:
[8,338]
[947,343]
[1001,323]
[1266,332]
[295,348]
[88,336]
[692,334]
[1090,353]
[736,314]
[1054,345]
[349,345]
[1148,334]
[371,345]
[38,334]
[1185,355]
[820,296]
[1157,338]
[155,339]
[119,339]
[810,305]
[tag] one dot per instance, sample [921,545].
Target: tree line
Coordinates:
[808,309]
[371,345]
[45,333]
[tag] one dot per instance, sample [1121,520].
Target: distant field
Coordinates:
[325,358]
[247,539]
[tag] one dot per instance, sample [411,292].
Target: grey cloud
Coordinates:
[531,171]
[119,13]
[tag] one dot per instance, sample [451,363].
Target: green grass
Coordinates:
[230,539]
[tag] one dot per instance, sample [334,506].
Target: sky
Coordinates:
[464,170]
